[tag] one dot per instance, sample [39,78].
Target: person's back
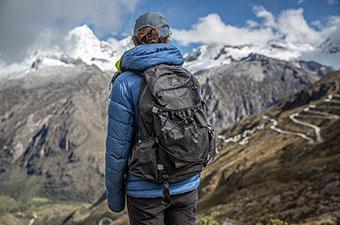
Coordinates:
[144,198]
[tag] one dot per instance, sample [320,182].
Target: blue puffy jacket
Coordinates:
[122,131]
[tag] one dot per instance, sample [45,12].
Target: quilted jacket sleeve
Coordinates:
[119,141]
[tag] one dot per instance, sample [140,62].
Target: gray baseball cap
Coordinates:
[154,20]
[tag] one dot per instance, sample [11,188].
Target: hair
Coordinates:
[148,35]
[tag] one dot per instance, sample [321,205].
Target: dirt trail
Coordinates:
[33,219]
[277,129]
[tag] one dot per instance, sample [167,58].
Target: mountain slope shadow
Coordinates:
[277,174]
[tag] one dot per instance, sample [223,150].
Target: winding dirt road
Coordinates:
[316,113]
[311,111]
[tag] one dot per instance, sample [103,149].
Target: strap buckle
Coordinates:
[166,200]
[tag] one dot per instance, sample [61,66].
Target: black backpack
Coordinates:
[176,141]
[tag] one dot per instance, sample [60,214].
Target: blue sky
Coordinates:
[182,14]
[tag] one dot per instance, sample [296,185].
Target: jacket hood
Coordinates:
[142,57]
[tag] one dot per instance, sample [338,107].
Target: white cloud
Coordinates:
[316,23]
[300,2]
[22,21]
[288,29]
[252,23]
[261,12]
[211,29]
[294,27]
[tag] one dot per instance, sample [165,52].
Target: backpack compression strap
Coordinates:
[166,200]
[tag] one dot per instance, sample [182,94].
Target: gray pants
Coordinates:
[151,211]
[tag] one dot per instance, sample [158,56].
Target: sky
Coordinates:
[194,22]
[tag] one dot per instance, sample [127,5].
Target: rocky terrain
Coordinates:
[252,84]
[52,133]
[281,163]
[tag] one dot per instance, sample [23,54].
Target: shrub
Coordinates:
[208,220]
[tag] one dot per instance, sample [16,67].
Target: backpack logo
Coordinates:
[173,81]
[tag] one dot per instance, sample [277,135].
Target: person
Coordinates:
[144,198]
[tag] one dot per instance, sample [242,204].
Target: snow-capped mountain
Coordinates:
[84,45]
[80,45]
[208,56]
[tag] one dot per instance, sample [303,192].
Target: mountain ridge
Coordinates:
[252,84]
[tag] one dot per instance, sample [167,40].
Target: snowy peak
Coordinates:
[80,45]
[83,32]
[83,44]
[208,56]
[212,55]
[330,47]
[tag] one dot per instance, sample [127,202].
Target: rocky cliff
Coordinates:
[52,131]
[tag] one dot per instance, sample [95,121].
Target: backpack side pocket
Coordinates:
[143,160]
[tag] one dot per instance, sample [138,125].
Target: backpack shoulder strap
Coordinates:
[114,77]
[117,73]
